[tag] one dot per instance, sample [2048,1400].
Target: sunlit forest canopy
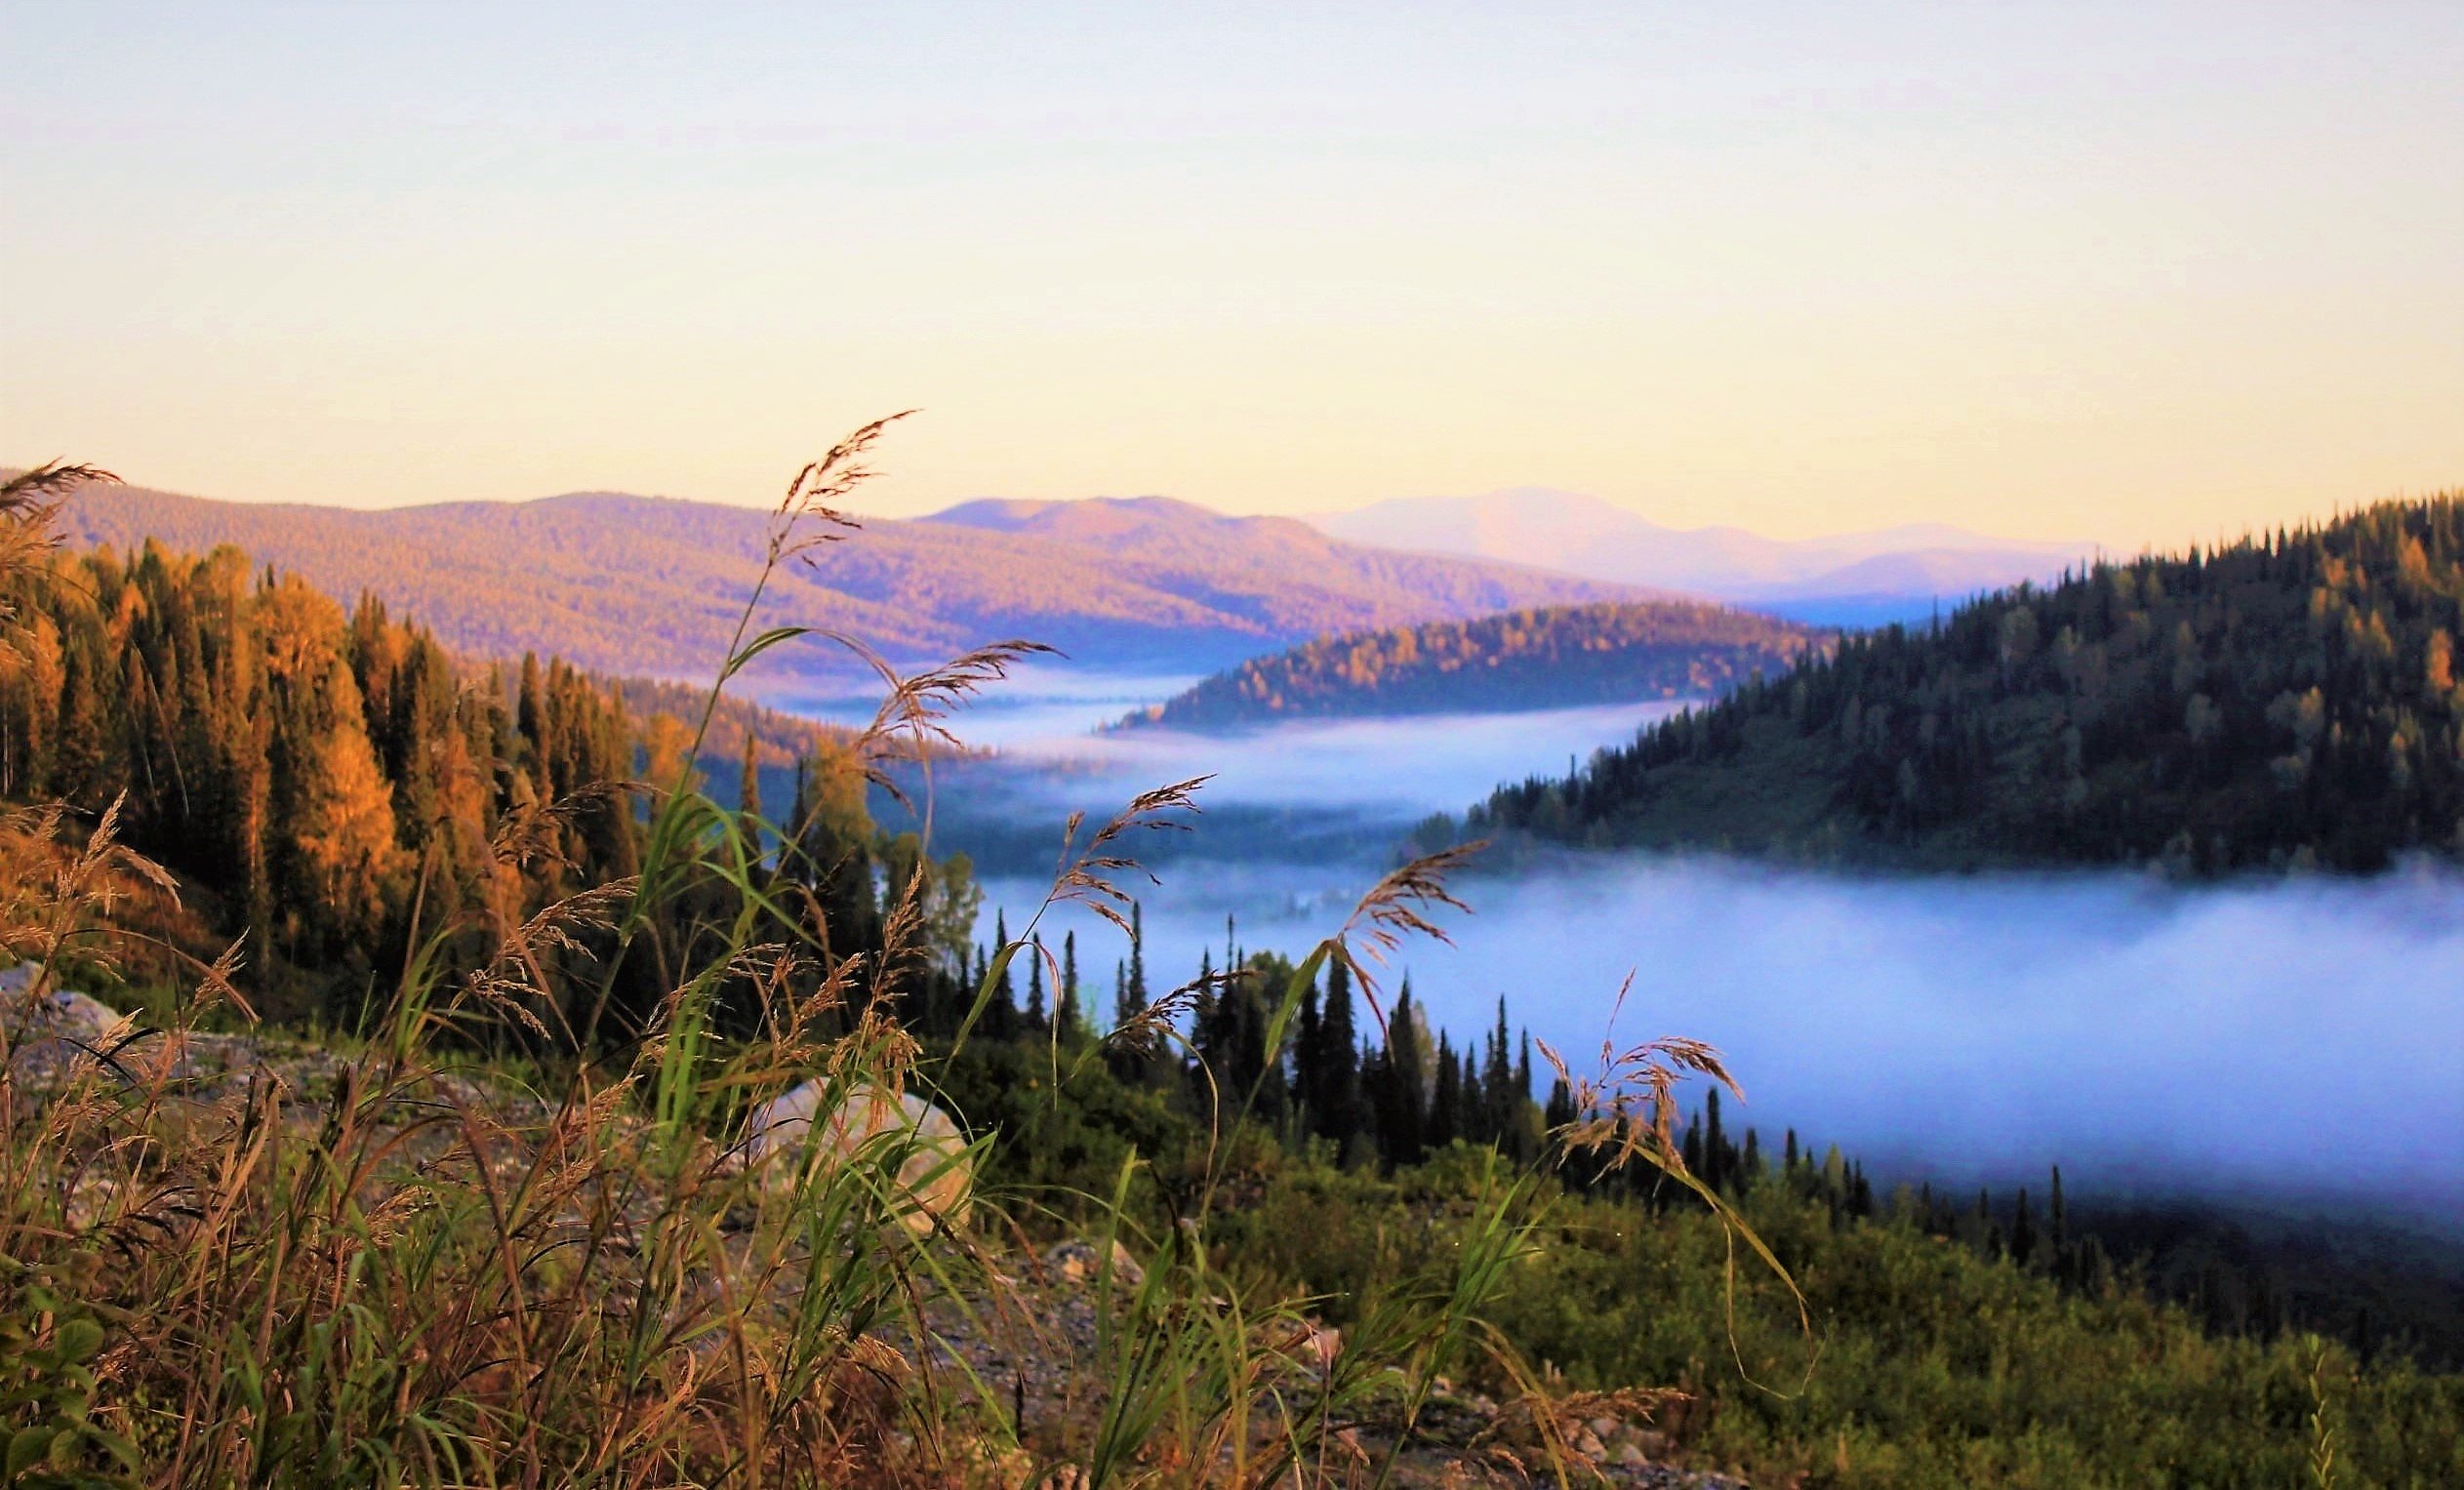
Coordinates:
[326,781]
[2290,700]
[1554,657]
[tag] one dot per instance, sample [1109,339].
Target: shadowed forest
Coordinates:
[2289,700]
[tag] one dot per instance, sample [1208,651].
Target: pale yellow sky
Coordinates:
[2139,274]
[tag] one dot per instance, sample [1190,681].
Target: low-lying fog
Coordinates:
[2299,1039]
[2292,1040]
[1049,720]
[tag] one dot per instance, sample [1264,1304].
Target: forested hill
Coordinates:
[2290,700]
[328,782]
[649,586]
[1555,656]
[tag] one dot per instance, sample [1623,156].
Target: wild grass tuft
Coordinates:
[509,1234]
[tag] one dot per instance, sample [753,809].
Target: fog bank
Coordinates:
[2289,1040]
[2286,1040]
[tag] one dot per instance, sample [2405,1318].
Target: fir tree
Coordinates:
[1035,982]
[1446,1107]
[1071,1018]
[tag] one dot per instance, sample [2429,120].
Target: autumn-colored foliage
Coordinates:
[1554,657]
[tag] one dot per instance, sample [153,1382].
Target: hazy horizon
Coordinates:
[863,508]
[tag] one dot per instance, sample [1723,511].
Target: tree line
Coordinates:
[1551,657]
[2289,701]
[336,788]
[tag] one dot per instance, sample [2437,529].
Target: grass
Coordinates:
[439,1267]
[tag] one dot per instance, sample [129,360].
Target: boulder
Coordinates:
[1078,1262]
[45,1029]
[936,1172]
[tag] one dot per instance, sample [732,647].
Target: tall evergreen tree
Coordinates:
[1401,1100]
[1034,955]
[1073,1017]
[1446,1104]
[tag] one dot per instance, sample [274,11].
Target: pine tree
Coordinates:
[1344,1118]
[1035,982]
[1073,1018]
[1715,1170]
[1309,1058]
[2060,1220]
[1497,1100]
[1401,1100]
[1448,1104]
[1000,1013]
[1560,1109]
[1137,955]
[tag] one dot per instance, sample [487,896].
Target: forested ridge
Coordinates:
[326,782]
[641,586]
[2290,700]
[1544,658]
[338,787]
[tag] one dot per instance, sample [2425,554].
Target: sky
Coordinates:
[2143,273]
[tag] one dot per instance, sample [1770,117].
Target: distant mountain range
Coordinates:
[1853,578]
[651,587]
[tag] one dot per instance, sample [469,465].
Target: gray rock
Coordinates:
[1080,1264]
[936,1172]
[47,1029]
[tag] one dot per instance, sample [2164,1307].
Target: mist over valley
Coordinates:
[2270,1042]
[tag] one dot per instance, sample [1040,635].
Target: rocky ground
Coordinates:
[1041,1347]
[1033,1347]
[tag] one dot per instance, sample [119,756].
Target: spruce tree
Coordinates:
[1403,1102]
[1446,1104]
[2059,1219]
[1035,982]
[1714,1144]
[1000,1013]
[1073,1019]
[1309,1058]
[1346,1116]
[1497,1102]
[1137,955]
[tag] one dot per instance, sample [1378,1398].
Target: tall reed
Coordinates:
[406,1260]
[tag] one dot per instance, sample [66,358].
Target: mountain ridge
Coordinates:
[2287,702]
[1553,658]
[649,585]
[1576,533]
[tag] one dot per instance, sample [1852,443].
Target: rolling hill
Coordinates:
[650,586]
[1560,656]
[1853,578]
[2289,700]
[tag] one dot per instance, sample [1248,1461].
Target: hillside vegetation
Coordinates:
[1553,658]
[490,1237]
[648,587]
[2289,701]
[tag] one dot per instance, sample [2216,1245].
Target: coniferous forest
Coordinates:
[1551,658]
[1203,748]
[332,787]
[2292,699]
